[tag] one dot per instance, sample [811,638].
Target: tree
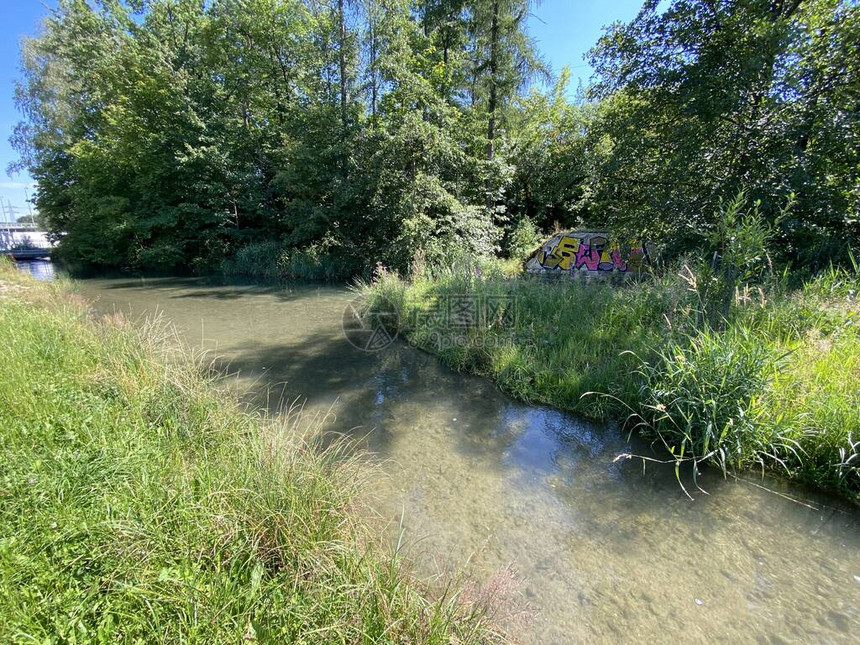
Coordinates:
[708,97]
[547,138]
[420,184]
[505,61]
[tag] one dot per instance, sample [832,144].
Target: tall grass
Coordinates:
[140,504]
[776,383]
[699,397]
[564,340]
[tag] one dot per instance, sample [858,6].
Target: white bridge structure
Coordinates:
[24,241]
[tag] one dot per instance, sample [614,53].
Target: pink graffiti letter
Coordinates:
[584,256]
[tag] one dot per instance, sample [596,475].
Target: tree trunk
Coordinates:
[493,98]
[494,69]
[374,89]
[342,63]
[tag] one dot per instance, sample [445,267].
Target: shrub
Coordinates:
[699,398]
[524,239]
[275,262]
[262,260]
[733,258]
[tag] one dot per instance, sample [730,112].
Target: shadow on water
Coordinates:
[604,551]
[216,287]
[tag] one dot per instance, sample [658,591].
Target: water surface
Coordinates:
[39,269]
[602,552]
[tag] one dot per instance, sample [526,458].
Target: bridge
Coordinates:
[24,241]
[27,254]
[18,227]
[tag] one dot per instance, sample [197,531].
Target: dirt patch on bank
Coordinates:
[9,289]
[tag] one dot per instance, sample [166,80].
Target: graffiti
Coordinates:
[587,252]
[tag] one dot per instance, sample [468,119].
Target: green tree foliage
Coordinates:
[547,138]
[171,134]
[168,134]
[709,97]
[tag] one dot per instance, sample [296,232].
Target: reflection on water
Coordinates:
[603,552]
[39,269]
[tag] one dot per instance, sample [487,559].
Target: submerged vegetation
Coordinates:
[140,504]
[775,383]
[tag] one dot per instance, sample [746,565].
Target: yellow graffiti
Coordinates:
[591,253]
[636,260]
[561,255]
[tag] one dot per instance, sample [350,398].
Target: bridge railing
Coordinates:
[22,235]
[18,226]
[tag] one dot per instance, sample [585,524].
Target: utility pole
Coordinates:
[29,205]
[11,210]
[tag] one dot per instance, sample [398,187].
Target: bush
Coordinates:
[733,258]
[524,239]
[273,261]
[261,260]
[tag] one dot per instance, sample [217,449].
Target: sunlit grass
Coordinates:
[778,387]
[140,504]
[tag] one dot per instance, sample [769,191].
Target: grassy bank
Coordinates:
[140,504]
[778,386]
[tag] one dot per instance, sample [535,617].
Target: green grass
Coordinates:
[567,339]
[778,387]
[140,504]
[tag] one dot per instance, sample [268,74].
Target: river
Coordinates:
[601,551]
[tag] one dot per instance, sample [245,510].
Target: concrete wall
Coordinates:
[588,254]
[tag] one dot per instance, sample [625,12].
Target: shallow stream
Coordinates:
[601,551]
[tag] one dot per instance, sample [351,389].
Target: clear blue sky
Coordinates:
[564,29]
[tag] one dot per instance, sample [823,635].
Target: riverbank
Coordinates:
[778,388]
[141,503]
[274,262]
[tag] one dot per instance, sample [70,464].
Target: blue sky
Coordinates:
[565,31]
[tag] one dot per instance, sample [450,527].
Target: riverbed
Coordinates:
[527,500]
